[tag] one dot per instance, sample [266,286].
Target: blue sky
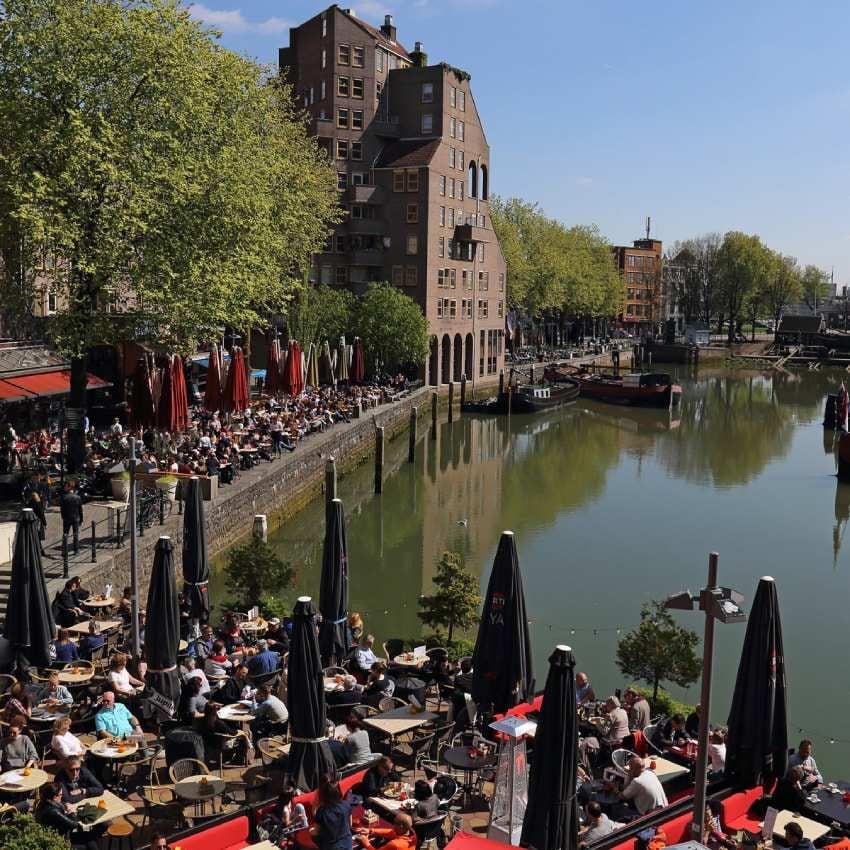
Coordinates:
[706,116]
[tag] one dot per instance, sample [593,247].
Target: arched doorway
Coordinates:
[446,346]
[472,191]
[434,363]
[468,359]
[485,183]
[458,370]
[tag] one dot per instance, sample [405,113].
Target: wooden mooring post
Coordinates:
[411,445]
[434,402]
[451,401]
[379,458]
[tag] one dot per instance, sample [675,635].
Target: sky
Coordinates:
[705,116]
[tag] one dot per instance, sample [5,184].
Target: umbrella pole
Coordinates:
[134,564]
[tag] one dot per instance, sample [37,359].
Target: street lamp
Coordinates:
[718,603]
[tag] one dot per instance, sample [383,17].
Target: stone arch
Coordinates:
[446,357]
[472,192]
[458,358]
[485,182]
[469,363]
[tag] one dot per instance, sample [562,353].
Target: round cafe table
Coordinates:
[195,790]
[460,758]
[44,713]
[409,660]
[235,713]
[105,749]
[82,677]
[15,782]
[99,604]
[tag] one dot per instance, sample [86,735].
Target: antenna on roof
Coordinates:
[648,223]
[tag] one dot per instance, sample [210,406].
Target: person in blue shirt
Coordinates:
[66,649]
[114,720]
[92,641]
[265,661]
[55,693]
[364,657]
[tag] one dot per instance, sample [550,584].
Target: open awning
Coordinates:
[57,382]
[9,392]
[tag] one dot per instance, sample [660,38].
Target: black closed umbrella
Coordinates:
[196,565]
[551,819]
[29,617]
[502,675]
[757,744]
[333,592]
[162,629]
[309,755]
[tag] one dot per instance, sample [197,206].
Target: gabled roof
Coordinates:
[408,153]
[394,46]
[800,324]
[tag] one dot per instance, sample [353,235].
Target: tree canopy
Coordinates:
[321,312]
[455,602]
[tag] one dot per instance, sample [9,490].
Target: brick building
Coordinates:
[413,168]
[640,265]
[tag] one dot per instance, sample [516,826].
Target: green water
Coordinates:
[612,507]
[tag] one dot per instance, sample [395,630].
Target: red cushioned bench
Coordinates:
[230,835]
[733,811]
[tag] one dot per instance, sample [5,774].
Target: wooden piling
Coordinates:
[434,401]
[501,382]
[451,401]
[411,445]
[379,458]
[462,391]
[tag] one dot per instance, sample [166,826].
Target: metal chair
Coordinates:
[620,759]
[330,672]
[6,682]
[649,737]
[268,753]
[161,806]
[432,828]
[139,770]
[414,747]
[393,647]
[389,703]
[184,768]
[230,744]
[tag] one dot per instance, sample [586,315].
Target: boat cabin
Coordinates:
[537,392]
[647,379]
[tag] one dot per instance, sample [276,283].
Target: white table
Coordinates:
[15,781]
[102,626]
[666,770]
[399,720]
[411,661]
[115,808]
[812,829]
[105,749]
[235,713]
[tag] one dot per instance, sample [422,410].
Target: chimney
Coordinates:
[419,57]
[388,29]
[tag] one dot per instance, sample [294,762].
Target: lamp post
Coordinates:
[718,603]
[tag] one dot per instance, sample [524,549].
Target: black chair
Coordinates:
[393,647]
[431,828]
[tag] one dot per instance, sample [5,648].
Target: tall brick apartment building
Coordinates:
[640,265]
[413,167]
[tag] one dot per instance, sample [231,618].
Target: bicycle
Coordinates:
[149,508]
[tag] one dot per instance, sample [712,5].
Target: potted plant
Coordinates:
[167,485]
[120,484]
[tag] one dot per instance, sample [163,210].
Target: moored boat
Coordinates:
[529,398]
[643,389]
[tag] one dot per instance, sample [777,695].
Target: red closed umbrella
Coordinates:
[181,397]
[236,389]
[165,417]
[272,382]
[297,370]
[212,397]
[358,362]
[142,408]
[286,373]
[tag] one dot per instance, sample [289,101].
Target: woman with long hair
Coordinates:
[332,829]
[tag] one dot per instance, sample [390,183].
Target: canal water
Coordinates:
[614,507]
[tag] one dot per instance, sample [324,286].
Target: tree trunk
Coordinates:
[451,630]
[655,689]
[75,414]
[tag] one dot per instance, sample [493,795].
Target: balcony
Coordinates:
[366,257]
[322,127]
[471,232]
[366,226]
[363,195]
[389,128]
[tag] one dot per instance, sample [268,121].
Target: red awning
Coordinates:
[9,392]
[51,383]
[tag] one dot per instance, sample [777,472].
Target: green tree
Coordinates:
[659,650]
[320,313]
[172,178]
[783,285]
[814,284]
[743,263]
[23,833]
[255,574]
[392,326]
[456,601]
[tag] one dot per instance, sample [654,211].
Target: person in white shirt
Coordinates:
[192,671]
[119,676]
[643,788]
[116,430]
[804,759]
[64,743]
[717,751]
[364,657]
[619,727]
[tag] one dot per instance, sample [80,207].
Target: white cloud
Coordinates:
[233,21]
[372,9]
[584,181]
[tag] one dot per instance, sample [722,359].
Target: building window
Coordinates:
[326,275]
[413,180]
[482,220]
[439,308]
[398,181]
[379,87]
[427,123]
[451,187]
[339,244]
[398,275]
[441,278]
[356,119]
[379,60]
[453,96]
[343,86]
[312,95]
[342,149]
[412,245]
[452,126]
[630,261]
[412,213]
[357,211]
[451,217]
[441,246]
[341,180]
[499,309]
[480,252]
[357,88]
[501,281]
[451,248]
[324,58]
[461,101]
[443,185]
[342,118]
[482,282]
[460,189]
[482,308]
[324,24]
[464,279]
[358,57]
[51,302]
[427,92]
[341,274]
[411,278]
[452,308]
[442,216]
[460,130]
[460,216]
[357,151]
[460,160]
[452,277]
[343,55]
[485,182]
[452,157]
[323,90]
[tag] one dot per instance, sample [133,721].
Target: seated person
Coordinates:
[291,816]
[377,777]
[639,710]
[50,812]
[202,646]
[125,606]
[714,835]
[598,825]
[192,701]
[218,664]
[794,837]
[191,670]
[65,648]
[18,750]
[692,723]
[804,759]
[92,641]
[346,693]
[364,656]
[235,687]
[619,727]
[350,743]
[119,678]
[276,636]
[265,661]
[76,781]
[114,720]
[65,743]
[427,802]
[19,703]
[66,609]
[211,728]
[584,690]
[789,793]
[378,685]
[643,788]
[270,714]
[332,819]
[670,734]
[717,751]
[54,693]
[400,837]
[79,592]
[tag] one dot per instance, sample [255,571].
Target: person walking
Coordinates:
[71,509]
[34,501]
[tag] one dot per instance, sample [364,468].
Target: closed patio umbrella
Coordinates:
[358,362]
[309,756]
[181,397]
[333,592]
[297,369]
[166,414]
[236,388]
[29,617]
[313,366]
[212,396]
[502,669]
[342,360]
[757,744]
[326,367]
[142,408]
[551,819]
[162,630]
[272,385]
[196,565]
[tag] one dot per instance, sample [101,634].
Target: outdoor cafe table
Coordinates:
[98,604]
[811,828]
[392,806]
[253,626]
[15,782]
[410,660]
[235,713]
[666,770]
[195,790]
[831,806]
[42,713]
[263,845]
[81,677]
[105,749]
[460,758]
[398,720]
[102,625]
[115,808]
[330,684]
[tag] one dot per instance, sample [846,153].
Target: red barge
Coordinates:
[640,389]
